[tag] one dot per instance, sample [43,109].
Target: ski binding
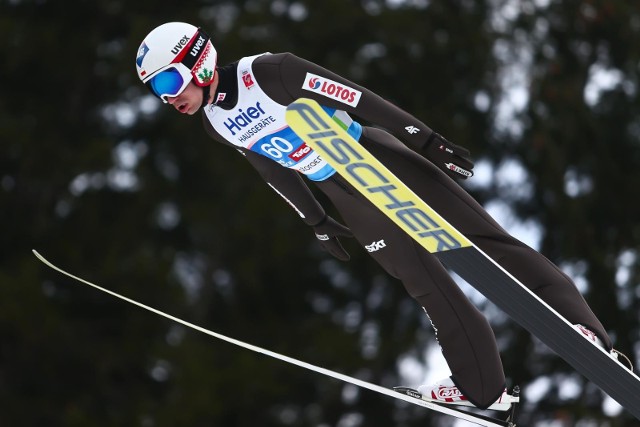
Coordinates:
[514,399]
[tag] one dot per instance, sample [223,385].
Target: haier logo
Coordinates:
[331,89]
[178,47]
[245,118]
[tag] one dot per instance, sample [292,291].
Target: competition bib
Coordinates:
[258,123]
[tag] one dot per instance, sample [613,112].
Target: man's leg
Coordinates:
[452,202]
[467,341]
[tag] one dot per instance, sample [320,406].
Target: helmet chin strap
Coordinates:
[206,93]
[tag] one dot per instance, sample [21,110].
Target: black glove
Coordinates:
[451,158]
[326,232]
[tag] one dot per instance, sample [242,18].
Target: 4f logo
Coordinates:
[247,79]
[412,129]
[375,246]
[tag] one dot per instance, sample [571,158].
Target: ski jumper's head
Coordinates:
[174,54]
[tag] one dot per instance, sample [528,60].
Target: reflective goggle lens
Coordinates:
[167,83]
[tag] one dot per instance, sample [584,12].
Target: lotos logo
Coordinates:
[331,89]
[314,83]
[182,43]
[300,153]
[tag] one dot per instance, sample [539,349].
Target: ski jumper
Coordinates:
[248,114]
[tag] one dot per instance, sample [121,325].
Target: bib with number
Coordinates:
[258,123]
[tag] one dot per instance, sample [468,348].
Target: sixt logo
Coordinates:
[178,47]
[142,52]
[375,246]
[331,89]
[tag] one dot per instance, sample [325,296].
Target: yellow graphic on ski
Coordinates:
[370,177]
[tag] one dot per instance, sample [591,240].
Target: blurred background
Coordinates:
[108,183]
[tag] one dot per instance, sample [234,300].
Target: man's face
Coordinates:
[189,101]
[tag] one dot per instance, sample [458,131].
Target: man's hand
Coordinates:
[451,158]
[327,231]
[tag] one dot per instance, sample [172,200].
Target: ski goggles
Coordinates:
[171,81]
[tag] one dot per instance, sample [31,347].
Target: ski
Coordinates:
[355,164]
[400,395]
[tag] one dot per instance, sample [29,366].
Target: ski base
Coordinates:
[508,422]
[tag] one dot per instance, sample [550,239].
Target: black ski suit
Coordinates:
[466,338]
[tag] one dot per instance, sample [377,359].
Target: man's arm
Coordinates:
[296,76]
[286,182]
[290,186]
[287,77]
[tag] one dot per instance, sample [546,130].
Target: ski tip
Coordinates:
[40,257]
[408,391]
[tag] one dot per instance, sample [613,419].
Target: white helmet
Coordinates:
[172,55]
